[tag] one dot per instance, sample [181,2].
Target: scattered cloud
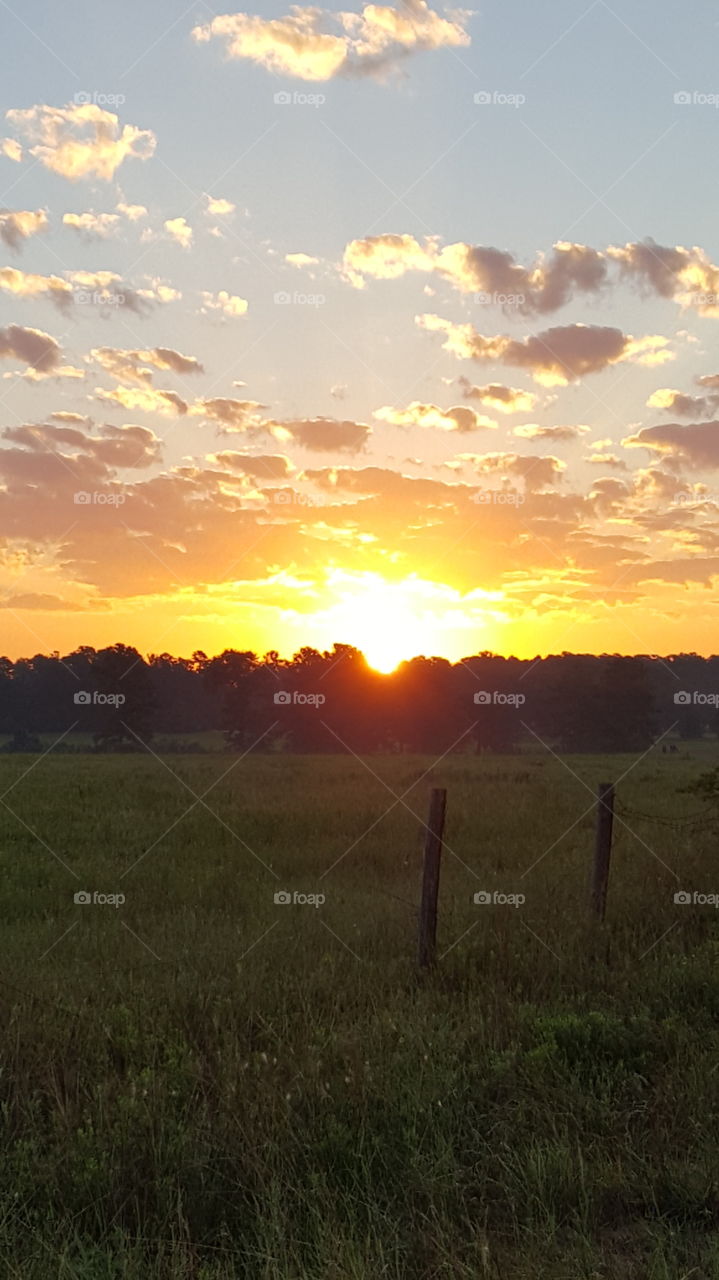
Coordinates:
[34,347]
[498,396]
[303,45]
[179,231]
[555,357]
[227,303]
[695,445]
[144,399]
[81,140]
[136,366]
[18,225]
[92,225]
[458,418]
[531,431]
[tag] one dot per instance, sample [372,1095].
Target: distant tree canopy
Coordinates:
[333,701]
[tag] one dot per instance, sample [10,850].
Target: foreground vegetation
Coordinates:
[203,1083]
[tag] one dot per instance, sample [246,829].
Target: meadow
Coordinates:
[201,1082]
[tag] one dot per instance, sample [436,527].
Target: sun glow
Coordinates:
[394,621]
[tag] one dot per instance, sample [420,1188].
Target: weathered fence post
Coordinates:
[430,877]
[602,848]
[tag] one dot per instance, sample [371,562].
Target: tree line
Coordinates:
[333,701]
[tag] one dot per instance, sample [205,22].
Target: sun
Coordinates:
[387,621]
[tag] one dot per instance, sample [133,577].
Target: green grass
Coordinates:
[202,1083]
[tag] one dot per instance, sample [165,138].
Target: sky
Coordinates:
[388,326]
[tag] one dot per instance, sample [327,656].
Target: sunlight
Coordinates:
[394,621]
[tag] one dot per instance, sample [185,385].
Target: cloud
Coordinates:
[179,231]
[686,275]
[11,149]
[546,286]
[694,446]
[532,431]
[683,405]
[231,415]
[301,260]
[554,357]
[303,44]
[131,366]
[265,466]
[458,418]
[133,212]
[81,140]
[92,225]
[127,446]
[323,434]
[145,399]
[40,600]
[65,415]
[606,460]
[499,397]
[219,208]
[34,347]
[18,225]
[227,303]
[104,289]
[534,471]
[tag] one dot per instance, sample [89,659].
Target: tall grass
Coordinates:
[204,1083]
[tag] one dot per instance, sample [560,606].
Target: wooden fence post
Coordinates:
[430,877]
[602,848]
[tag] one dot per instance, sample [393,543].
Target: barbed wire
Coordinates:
[627,811]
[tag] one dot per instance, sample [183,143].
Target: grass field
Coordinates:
[203,1083]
